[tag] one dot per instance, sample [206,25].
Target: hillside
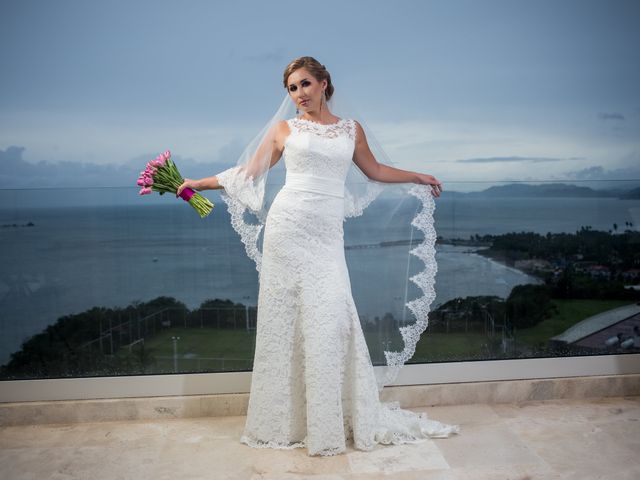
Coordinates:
[550,190]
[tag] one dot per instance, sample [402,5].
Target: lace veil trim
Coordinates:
[425,280]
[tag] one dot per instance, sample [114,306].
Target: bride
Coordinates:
[313,383]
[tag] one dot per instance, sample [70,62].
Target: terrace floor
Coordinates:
[597,438]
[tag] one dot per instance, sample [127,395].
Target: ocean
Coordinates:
[77,257]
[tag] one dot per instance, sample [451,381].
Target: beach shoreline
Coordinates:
[484,249]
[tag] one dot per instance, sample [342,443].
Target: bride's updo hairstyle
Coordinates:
[314,67]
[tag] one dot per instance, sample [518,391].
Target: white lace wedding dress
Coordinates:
[313,382]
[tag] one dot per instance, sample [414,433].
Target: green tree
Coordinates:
[527,305]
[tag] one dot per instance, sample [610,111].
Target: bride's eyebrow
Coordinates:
[292,84]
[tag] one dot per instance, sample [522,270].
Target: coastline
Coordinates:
[484,249]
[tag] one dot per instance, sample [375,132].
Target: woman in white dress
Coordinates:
[313,381]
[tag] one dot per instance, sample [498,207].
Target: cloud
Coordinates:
[610,116]
[598,172]
[15,172]
[513,159]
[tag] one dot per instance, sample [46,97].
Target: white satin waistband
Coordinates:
[315,184]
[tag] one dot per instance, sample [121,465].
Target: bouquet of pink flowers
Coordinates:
[161,175]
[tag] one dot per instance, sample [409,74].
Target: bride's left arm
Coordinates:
[364,159]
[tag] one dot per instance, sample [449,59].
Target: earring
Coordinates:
[297,111]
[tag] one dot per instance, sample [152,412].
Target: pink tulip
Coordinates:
[140,182]
[167,155]
[145,191]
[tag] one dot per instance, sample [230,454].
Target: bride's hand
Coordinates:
[436,185]
[187,183]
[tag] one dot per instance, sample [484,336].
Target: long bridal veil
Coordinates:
[389,238]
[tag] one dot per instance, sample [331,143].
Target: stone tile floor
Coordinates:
[554,439]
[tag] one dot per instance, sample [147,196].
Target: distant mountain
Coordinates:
[549,190]
[631,194]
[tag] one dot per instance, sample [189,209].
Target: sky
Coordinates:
[471,91]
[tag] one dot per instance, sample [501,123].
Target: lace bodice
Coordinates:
[321,150]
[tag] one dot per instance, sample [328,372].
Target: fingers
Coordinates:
[437,186]
[436,189]
[434,183]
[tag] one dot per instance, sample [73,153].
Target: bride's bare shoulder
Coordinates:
[282,131]
[359,132]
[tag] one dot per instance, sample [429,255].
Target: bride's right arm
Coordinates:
[273,143]
[271,149]
[206,183]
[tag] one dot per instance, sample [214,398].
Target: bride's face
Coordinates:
[305,91]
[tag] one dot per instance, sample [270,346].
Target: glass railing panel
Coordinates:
[104,282]
[538,270]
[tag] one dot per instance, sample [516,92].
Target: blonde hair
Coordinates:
[314,67]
